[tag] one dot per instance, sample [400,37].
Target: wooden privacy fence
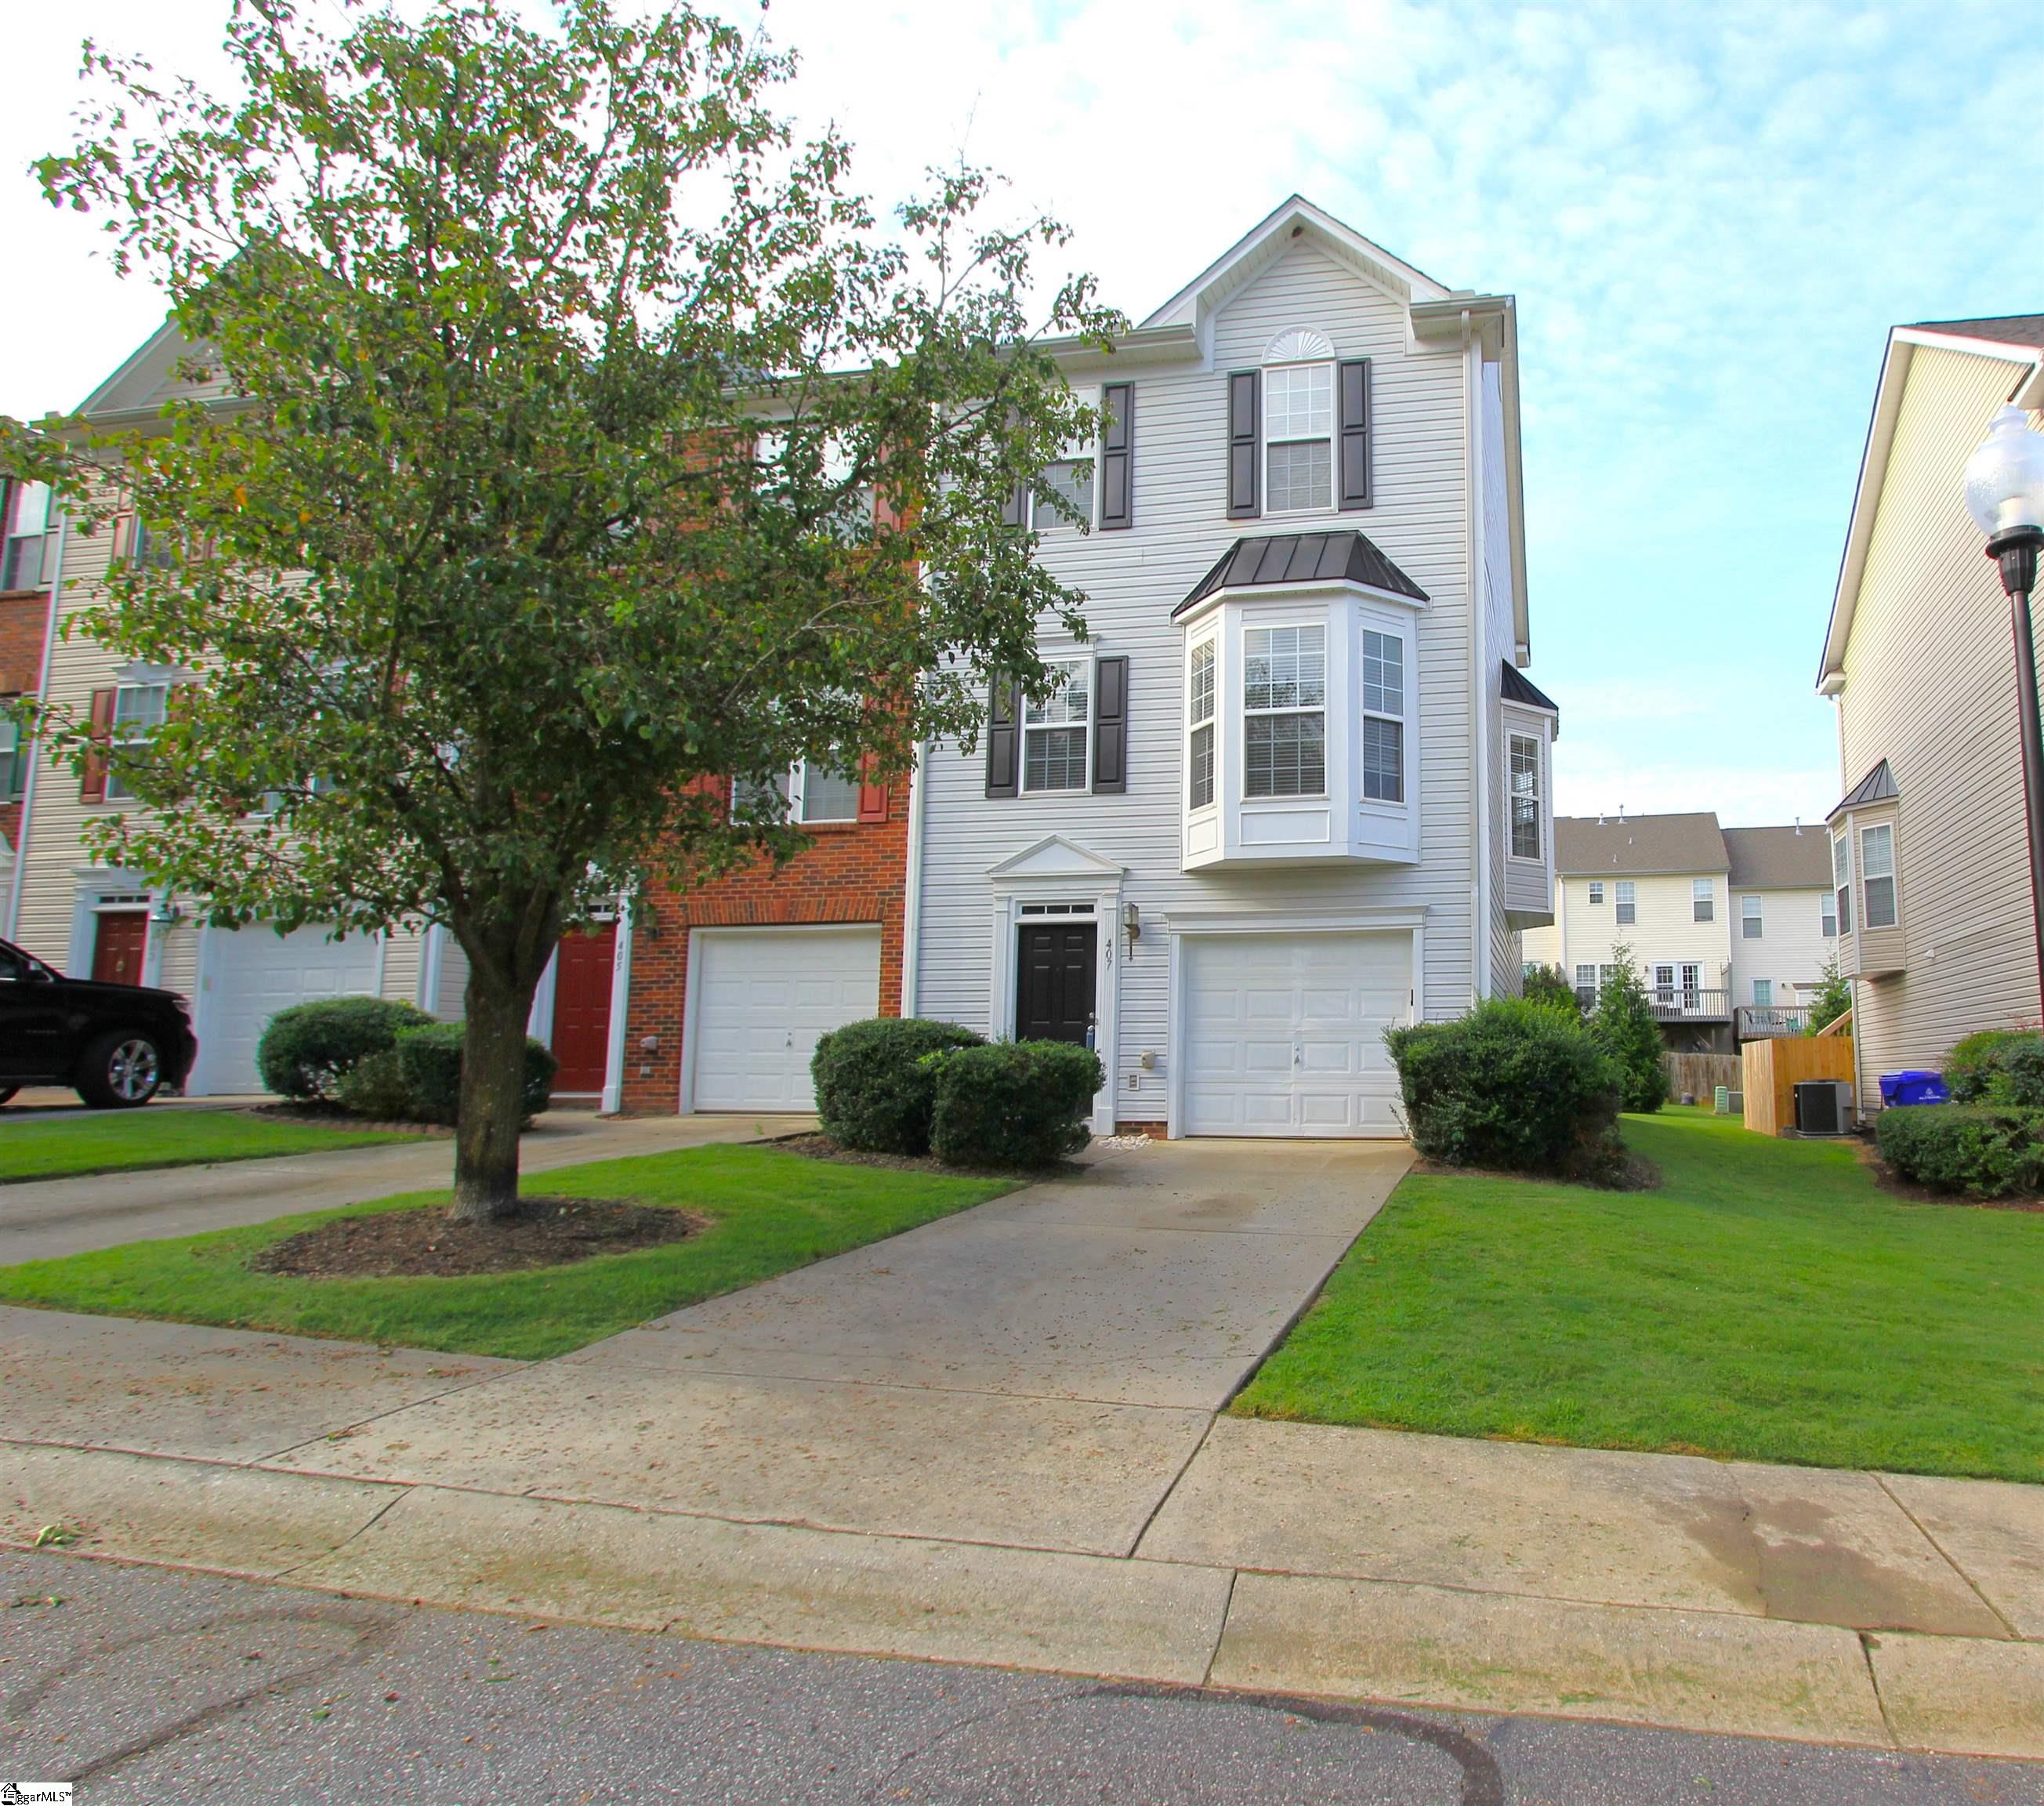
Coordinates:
[1774,1068]
[1700,1074]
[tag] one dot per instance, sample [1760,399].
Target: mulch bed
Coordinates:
[1892,1183]
[332,1116]
[547,1232]
[814,1145]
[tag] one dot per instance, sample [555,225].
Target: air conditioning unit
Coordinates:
[1823,1107]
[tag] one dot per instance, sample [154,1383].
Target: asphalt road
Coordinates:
[142,1684]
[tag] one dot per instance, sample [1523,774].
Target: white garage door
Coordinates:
[249,976]
[762,998]
[1284,1034]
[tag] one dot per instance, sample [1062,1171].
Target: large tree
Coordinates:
[545,386]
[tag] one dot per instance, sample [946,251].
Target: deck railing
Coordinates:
[1764,1022]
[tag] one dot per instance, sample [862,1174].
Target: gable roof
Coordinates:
[2015,339]
[1779,858]
[1303,558]
[1294,217]
[1585,847]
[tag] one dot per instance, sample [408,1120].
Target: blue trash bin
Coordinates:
[1898,1088]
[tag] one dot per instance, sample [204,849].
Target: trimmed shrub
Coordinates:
[873,1090]
[1548,985]
[1013,1104]
[1624,1022]
[431,1060]
[1517,1086]
[374,1088]
[1998,1066]
[1982,1150]
[305,1049]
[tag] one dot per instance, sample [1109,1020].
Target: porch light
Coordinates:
[2004,487]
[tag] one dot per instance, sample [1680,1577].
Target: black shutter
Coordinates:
[1110,726]
[1355,433]
[1245,405]
[1013,509]
[1002,770]
[1116,455]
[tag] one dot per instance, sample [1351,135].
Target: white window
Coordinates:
[1072,479]
[1749,918]
[1763,994]
[1284,706]
[1597,890]
[14,758]
[1056,734]
[804,793]
[1703,899]
[139,709]
[1525,796]
[1830,916]
[1299,437]
[23,534]
[1876,871]
[1586,984]
[1607,976]
[1842,879]
[1628,912]
[1383,717]
[1199,711]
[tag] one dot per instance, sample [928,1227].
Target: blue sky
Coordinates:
[1710,215]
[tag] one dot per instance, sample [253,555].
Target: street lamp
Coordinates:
[2005,492]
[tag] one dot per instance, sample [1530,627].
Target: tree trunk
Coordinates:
[493,1099]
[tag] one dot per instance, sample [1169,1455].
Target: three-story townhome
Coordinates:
[1295,789]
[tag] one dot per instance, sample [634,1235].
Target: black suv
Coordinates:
[113,1044]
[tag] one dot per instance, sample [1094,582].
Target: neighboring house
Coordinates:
[1295,789]
[28,559]
[1728,928]
[1930,857]
[93,921]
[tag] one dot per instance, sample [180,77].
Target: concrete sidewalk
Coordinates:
[45,1219]
[993,1439]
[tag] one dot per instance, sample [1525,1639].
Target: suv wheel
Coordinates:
[120,1070]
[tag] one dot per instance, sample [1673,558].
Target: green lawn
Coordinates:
[57,1147]
[771,1211]
[1769,1302]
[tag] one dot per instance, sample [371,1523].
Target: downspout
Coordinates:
[35,746]
[912,886]
[1480,740]
[620,1009]
[430,956]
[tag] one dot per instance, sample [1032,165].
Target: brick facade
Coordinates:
[856,872]
[24,624]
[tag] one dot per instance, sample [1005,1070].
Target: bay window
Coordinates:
[1056,733]
[1841,878]
[1199,712]
[1383,717]
[1525,796]
[1877,870]
[1284,706]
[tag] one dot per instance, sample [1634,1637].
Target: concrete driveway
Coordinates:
[48,1218]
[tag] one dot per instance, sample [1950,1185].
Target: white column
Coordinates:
[620,1009]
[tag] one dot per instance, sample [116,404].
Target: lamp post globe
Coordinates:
[2004,489]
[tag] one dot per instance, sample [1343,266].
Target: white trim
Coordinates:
[1295,592]
[620,1010]
[1300,344]
[1515,732]
[1480,756]
[431,949]
[912,885]
[1083,657]
[539,1019]
[1267,442]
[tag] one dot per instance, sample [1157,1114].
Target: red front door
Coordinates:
[117,949]
[582,1009]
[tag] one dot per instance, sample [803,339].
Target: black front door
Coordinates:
[1054,989]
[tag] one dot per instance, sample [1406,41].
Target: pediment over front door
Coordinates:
[1055,857]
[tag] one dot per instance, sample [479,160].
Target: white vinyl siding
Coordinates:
[1421,518]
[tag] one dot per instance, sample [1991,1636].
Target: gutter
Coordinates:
[1472,591]
[912,886]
